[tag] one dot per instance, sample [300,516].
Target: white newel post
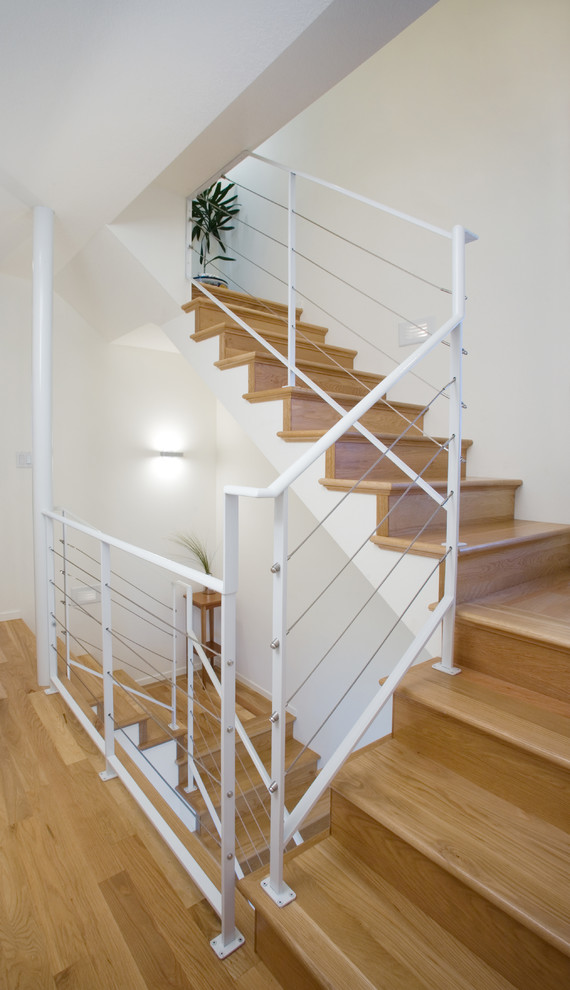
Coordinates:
[291,277]
[274,885]
[454,451]
[108,687]
[42,425]
[230,938]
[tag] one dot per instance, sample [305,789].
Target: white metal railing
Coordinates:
[449,333]
[109,741]
[284,825]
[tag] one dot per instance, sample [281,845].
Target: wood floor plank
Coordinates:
[80,975]
[57,929]
[57,720]
[24,960]
[187,938]
[53,891]
[154,958]
[14,804]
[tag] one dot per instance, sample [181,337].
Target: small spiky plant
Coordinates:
[197,548]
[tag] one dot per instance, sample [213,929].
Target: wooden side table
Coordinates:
[207,604]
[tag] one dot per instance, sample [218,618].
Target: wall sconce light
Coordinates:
[171,453]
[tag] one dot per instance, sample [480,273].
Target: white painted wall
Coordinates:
[464,118]
[115,407]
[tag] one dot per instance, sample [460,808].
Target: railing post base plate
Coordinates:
[51,690]
[222,950]
[446,670]
[285,897]
[107,775]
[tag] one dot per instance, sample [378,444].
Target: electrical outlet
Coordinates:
[23,459]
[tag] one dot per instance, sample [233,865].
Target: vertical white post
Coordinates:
[51,600]
[454,451]
[274,884]
[291,278]
[42,424]
[177,638]
[230,938]
[65,599]
[107,636]
[189,639]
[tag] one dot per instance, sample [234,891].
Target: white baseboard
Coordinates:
[10,616]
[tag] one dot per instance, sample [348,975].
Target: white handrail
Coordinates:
[182,570]
[352,195]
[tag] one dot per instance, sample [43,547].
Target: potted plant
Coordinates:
[212,213]
[198,550]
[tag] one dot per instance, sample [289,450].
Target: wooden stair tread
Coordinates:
[275,336]
[537,610]
[247,777]
[400,487]
[302,392]
[349,376]
[353,436]
[523,863]
[232,297]
[252,831]
[350,928]
[277,325]
[480,536]
[522,717]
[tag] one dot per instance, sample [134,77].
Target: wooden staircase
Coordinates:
[252,799]
[448,859]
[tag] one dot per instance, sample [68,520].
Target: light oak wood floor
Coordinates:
[90,898]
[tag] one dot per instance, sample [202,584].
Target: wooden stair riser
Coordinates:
[251,794]
[309,412]
[210,758]
[267,372]
[233,342]
[281,958]
[273,319]
[482,572]
[400,516]
[532,663]
[352,457]
[500,766]
[504,943]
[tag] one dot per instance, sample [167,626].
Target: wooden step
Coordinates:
[521,633]
[252,832]
[251,792]
[256,311]
[495,555]
[266,323]
[303,409]
[509,740]
[353,455]
[267,372]
[494,876]
[402,509]
[350,928]
[3,696]
[234,341]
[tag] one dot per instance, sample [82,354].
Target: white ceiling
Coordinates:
[98,98]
